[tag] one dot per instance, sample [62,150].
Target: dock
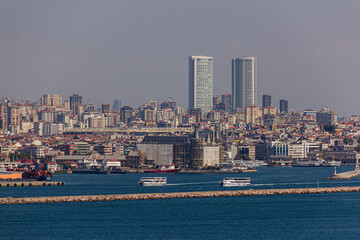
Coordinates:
[175,195]
[29,184]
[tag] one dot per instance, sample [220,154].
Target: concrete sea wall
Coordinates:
[30,184]
[147,196]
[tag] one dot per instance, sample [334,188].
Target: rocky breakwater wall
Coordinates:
[148,196]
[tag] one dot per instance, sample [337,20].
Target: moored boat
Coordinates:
[164,169]
[235,182]
[153,181]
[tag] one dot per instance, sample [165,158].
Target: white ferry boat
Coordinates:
[152,181]
[235,182]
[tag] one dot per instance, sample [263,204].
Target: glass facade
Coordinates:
[201,82]
[244,82]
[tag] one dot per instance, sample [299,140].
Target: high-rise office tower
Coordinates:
[126,114]
[117,105]
[75,103]
[266,101]
[283,106]
[226,100]
[201,82]
[244,82]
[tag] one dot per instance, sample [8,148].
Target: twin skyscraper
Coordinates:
[243,82]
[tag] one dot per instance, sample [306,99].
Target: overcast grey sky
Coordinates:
[308,52]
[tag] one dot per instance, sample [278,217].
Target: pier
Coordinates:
[347,175]
[30,184]
[176,195]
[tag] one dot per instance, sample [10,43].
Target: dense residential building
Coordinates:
[153,103]
[266,101]
[251,114]
[244,82]
[105,108]
[201,83]
[51,100]
[283,106]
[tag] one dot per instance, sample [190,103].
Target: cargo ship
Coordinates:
[164,169]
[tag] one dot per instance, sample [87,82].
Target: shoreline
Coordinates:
[175,195]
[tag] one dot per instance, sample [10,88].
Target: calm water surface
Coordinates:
[317,216]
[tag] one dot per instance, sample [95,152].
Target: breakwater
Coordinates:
[345,175]
[173,195]
[30,184]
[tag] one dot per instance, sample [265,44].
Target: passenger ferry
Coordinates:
[152,181]
[235,182]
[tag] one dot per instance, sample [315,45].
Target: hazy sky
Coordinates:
[308,52]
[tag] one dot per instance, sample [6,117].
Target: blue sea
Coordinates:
[312,216]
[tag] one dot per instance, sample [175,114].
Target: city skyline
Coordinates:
[105,51]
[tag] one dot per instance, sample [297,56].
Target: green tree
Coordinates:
[329,128]
[348,141]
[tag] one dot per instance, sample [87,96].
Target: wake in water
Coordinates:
[194,183]
[265,184]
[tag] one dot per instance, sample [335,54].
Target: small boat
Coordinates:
[164,169]
[152,181]
[235,182]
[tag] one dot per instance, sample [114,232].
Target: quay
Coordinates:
[176,195]
[30,184]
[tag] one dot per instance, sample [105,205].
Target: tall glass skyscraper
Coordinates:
[201,82]
[244,82]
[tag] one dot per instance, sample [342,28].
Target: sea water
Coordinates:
[313,216]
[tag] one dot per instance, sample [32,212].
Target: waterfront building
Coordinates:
[165,150]
[266,101]
[283,106]
[244,152]
[244,82]
[201,83]
[292,150]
